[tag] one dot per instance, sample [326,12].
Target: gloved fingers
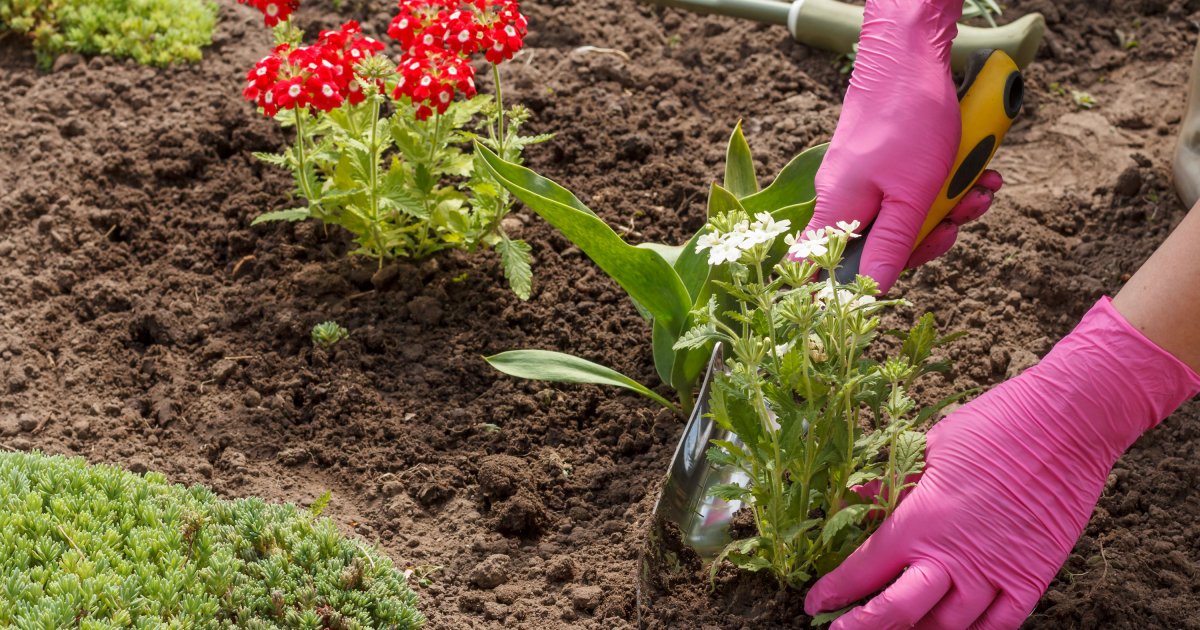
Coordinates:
[1005,613]
[891,241]
[867,570]
[962,606]
[939,241]
[991,180]
[971,206]
[902,604]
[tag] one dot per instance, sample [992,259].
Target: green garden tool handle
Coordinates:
[835,26]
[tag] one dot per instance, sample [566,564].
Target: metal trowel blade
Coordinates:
[703,521]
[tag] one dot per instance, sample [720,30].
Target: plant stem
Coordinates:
[374,192]
[302,159]
[499,107]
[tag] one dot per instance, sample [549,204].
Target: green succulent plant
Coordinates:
[96,547]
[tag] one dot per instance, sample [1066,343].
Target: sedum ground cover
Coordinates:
[96,547]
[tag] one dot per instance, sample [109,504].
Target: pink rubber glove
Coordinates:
[897,138]
[1010,482]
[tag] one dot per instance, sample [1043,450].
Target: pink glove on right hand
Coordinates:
[1010,482]
[897,138]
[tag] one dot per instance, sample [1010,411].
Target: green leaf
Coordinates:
[739,166]
[294,214]
[795,184]
[721,201]
[669,253]
[830,617]
[516,261]
[274,159]
[545,365]
[728,492]
[644,274]
[845,517]
[320,504]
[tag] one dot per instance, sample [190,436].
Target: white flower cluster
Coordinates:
[728,247]
[815,242]
[828,294]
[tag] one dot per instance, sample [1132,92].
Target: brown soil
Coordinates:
[144,323]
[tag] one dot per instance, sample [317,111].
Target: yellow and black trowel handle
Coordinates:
[989,100]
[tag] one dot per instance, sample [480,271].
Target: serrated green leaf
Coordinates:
[274,159]
[517,265]
[729,492]
[294,214]
[843,518]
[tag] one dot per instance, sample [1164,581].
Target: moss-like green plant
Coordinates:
[152,32]
[96,547]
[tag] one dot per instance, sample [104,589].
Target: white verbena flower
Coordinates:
[810,244]
[764,230]
[708,240]
[739,235]
[849,228]
[725,251]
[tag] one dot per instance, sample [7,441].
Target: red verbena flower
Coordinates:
[440,36]
[321,76]
[274,11]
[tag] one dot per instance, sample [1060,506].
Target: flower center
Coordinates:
[272,10]
[294,91]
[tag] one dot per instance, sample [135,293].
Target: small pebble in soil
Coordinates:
[586,598]
[492,572]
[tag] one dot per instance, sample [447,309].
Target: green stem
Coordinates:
[374,191]
[302,160]
[499,107]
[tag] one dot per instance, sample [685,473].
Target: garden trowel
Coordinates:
[835,26]
[990,98]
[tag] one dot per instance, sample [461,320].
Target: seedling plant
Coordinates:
[379,147]
[825,434]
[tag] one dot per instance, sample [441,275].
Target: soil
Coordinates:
[143,321]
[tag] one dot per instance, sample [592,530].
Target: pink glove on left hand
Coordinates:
[897,137]
[1010,482]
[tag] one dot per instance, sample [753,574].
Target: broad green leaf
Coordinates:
[644,274]
[692,267]
[669,253]
[739,166]
[721,201]
[515,259]
[794,184]
[844,518]
[294,214]
[545,365]
[662,343]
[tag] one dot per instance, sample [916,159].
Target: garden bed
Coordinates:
[144,323]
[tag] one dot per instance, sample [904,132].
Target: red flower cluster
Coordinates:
[440,36]
[274,11]
[319,76]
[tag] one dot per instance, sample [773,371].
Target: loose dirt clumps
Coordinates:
[143,322]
